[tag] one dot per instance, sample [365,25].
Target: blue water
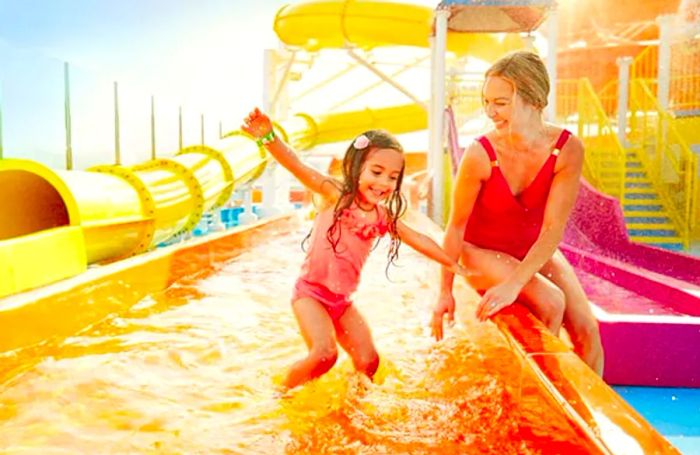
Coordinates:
[674,412]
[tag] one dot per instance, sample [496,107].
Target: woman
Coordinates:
[513,194]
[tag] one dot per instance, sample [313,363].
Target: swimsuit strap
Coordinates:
[563,137]
[489,150]
[483,140]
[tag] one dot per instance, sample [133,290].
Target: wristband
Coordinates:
[266,139]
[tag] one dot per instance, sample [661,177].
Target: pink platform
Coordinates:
[647,299]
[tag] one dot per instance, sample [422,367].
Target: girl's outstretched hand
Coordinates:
[458,269]
[257,124]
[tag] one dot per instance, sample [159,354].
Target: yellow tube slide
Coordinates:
[305,131]
[109,212]
[313,25]
[119,211]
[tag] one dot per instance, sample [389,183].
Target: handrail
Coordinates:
[645,64]
[605,156]
[669,161]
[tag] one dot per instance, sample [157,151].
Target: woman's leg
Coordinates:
[578,317]
[541,296]
[354,336]
[317,329]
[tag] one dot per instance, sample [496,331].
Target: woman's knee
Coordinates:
[584,330]
[552,304]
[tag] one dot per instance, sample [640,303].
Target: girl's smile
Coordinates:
[380,175]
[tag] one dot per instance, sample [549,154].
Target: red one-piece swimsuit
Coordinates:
[503,221]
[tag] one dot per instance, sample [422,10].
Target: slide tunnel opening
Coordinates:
[30,204]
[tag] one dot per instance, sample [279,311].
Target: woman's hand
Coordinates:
[497,298]
[257,124]
[445,305]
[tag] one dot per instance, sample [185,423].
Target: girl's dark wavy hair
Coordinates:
[353,164]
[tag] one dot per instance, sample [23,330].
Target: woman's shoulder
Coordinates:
[476,157]
[563,138]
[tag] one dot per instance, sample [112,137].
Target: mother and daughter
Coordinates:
[513,193]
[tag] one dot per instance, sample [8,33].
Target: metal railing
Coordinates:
[670,163]
[580,108]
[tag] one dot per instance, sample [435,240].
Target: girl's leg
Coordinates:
[541,296]
[578,317]
[317,329]
[355,337]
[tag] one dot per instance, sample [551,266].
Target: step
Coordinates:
[642,208]
[647,219]
[611,175]
[655,239]
[660,233]
[640,214]
[633,164]
[636,196]
[635,175]
[639,185]
[646,227]
[673,246]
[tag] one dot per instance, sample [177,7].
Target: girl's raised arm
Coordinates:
[258,125]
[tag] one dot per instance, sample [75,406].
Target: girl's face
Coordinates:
[499,102]
[380,175]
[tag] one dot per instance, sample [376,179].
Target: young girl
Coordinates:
[353,214]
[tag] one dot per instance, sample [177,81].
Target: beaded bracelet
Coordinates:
[266,139]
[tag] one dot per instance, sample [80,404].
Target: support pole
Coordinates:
[436,163]
[179,127]
[67,117]
[153,128]
[623,96]
[552,43]
[117,144]
[665,23]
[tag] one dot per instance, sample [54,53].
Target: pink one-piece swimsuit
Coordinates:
[329,276]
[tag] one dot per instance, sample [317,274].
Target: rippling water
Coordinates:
[195,369]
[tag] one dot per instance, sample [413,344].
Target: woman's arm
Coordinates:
[473,170]
[258,124]
[562,196]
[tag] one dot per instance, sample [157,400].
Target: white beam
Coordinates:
[436,125]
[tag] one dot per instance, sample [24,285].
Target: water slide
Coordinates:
[642,293]
[104,214]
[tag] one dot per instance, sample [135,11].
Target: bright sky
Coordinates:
[204,55]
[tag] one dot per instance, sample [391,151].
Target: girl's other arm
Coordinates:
[258,124]
[428,247]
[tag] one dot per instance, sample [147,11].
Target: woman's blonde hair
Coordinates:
[526,71]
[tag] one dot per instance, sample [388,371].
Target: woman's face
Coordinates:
[499,101]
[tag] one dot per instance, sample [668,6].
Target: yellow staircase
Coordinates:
[646,216]
[653,177]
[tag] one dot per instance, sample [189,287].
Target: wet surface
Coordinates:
[616,299]
[196,368]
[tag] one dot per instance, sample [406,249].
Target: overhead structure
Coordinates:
[496,16]
[469,17]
